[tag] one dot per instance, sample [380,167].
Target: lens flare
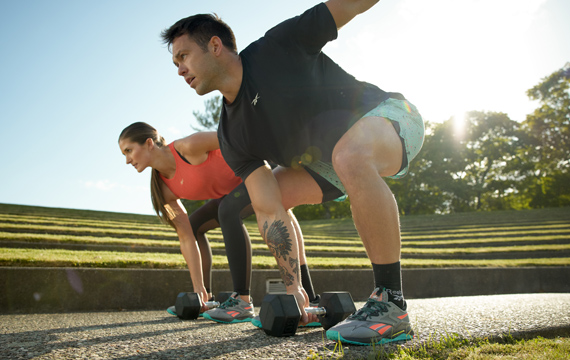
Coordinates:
[459,122]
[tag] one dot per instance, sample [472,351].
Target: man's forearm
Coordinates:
[280,238]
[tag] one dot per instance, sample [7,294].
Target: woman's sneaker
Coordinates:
[233,310]
[378,322]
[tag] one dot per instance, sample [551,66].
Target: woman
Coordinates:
[193,168]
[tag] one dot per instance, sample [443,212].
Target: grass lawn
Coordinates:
[501,232]
[453,347]
[114,259]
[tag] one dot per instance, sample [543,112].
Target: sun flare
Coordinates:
[459,123]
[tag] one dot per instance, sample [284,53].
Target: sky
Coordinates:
[74,73]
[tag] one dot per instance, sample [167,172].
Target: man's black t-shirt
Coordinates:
[293,99]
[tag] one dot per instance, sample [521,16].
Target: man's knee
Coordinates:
[371,145]
[350,161]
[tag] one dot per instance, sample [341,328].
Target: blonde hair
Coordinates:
[139,132]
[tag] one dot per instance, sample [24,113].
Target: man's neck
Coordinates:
[232,84]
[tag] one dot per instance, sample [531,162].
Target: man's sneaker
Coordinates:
[256,321]
[233,310]
[378,322]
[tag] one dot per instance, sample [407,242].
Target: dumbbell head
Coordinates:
[338,305]
[279,314]
[188,305]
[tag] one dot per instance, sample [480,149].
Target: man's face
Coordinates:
[194,64]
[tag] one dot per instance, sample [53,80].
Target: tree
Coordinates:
[464,165]
[210,119]
[416,193]
[548,128]
[442,162]
[494,143]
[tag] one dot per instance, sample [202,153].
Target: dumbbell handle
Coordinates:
[316,310]
[212,304]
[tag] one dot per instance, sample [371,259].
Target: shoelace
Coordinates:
[371,308]
[229,303]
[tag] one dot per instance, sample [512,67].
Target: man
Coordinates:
[288,103]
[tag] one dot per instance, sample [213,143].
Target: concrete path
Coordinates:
[157,335]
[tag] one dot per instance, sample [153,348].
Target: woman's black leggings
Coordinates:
[227,212]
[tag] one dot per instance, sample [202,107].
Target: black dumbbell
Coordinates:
[188,304]
[280,314]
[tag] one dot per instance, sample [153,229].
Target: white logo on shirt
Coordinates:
[254,102]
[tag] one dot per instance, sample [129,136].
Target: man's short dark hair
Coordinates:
[201,28]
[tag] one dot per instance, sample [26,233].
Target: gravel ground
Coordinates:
[157,335]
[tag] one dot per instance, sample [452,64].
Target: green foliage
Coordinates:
[329,210]
[192,205]
[548,149]
[490,162]
[209,120]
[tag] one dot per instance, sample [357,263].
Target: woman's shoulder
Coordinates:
[197,144]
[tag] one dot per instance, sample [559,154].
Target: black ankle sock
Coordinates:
[306,282]
[389,276]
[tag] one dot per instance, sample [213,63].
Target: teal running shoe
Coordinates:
[377,322]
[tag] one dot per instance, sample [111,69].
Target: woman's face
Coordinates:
[137,155]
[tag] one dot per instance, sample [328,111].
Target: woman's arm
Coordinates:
[188,244]
[195,148]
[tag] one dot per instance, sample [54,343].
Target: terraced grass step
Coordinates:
[505,252]
[108,259]
[536,234]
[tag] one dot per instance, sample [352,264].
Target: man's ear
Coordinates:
[216,45]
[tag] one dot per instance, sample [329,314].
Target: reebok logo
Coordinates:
[254,101]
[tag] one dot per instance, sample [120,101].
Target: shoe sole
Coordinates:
[234,321]
[313,324]
[174,314]
[335,336]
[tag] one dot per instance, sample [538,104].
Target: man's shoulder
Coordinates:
[293,32]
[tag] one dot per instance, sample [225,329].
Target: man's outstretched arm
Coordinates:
[277,230]
[345,10]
